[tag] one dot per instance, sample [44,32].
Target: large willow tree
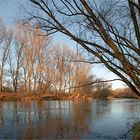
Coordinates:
[108,29]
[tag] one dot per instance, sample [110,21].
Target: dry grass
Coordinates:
[24,97]
[5,96]
[118,93]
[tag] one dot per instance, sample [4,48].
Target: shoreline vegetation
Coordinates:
[136,131]
[115,94]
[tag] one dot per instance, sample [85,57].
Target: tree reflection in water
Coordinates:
[53,119]
[95,119]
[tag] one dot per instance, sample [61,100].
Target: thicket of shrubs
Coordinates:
[124,93]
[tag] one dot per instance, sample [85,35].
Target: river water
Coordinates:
[92,119]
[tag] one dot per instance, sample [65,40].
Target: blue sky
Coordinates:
[10,11]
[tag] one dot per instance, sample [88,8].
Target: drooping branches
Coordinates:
[107,29]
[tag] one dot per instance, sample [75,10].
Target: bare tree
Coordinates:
[4,52]
[68,76]
[42,47]
[107,29]
[102,89]
[82,78]
[32,54]
[26,54]
[15,62]
[2,31]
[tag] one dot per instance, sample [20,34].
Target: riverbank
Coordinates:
[25,97]
[117,94]
[136,131]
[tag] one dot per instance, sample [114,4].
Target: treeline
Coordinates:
[31,63]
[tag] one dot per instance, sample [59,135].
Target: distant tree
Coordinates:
[107,29]
[6,39]
[62,74]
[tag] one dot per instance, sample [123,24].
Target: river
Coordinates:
[85,119]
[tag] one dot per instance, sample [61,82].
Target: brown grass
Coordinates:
[118,93]
[5,96]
